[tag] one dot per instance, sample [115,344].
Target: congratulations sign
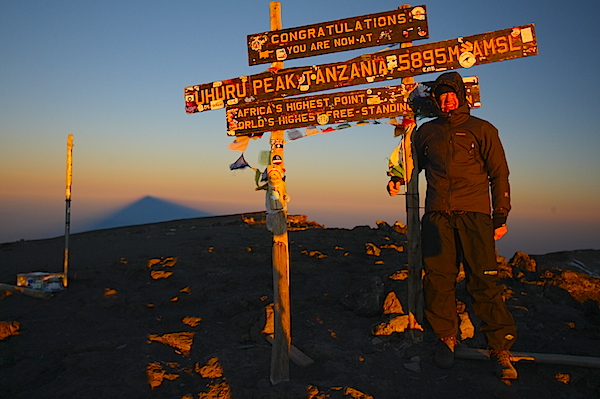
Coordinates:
[398,26]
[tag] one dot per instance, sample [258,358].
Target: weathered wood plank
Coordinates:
[378,29]
[462,52]
[567,360]
[296,355]
[333,108]
[26,291]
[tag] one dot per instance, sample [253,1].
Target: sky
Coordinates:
[112,74]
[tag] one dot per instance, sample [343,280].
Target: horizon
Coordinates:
[113,74]
[139,214]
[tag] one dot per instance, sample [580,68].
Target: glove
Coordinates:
[498,219]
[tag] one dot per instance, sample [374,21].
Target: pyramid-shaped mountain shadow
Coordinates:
[148,210]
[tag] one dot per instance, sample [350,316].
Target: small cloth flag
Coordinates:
[239,164]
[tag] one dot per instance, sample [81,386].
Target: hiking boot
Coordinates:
[444,353]
[502,365]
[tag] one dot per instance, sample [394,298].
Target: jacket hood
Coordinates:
[454,80]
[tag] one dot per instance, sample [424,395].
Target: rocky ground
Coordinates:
[177,310]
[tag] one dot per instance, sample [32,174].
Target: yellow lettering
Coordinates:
[428,57]
[230,90]
[489,47]
[354,71]
[344,41]
[365,68]
[324,44]
[341,75]
[453,52]
[280,83]
[349,99]
[382,68]
[289,83]
[502,45]
[331,75]
[404,62]
[477,49]
[511,41]
[320,79]
[256,85]
[268,82]
[440,55]
[241,90]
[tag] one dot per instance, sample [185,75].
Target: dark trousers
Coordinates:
[448,238]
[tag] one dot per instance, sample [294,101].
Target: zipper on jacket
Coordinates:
[449,159]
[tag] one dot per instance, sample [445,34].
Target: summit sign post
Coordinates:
[385,28]
[258,103]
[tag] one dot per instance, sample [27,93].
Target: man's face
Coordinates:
[448,102]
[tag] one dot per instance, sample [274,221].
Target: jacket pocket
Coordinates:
[464,147]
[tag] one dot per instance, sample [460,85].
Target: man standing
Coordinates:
[464,161]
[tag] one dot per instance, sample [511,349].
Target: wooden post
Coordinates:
[68,209]
[415,261]
[277,223]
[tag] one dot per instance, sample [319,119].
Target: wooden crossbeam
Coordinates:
[296,355]
[26,291]
[567,360]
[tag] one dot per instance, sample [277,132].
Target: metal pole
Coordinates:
[68,209]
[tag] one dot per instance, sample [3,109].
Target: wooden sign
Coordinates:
[398,26]
[333,108]
[462,52]
[321,109]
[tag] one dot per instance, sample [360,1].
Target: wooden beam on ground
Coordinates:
[296,355]
[26,291]
[567,360]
